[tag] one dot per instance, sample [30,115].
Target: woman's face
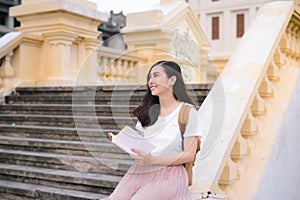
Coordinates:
[159,83]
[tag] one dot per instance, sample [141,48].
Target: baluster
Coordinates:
[112,70]
[295,29]
[258,106]
[105,69]
[240,148]
[290,44]
[229,173]
[100,64]
[265,89]
[130,77]
[284,43]
[6,70]
[298,42]
[250,126]
[133,71]
[293,34]
[124,71]
[273,72]
[119,70]
[279,58]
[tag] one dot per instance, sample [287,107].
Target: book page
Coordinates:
[129,138]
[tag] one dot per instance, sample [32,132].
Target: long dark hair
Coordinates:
[148,112]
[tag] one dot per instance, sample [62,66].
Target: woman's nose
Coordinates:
[150,80]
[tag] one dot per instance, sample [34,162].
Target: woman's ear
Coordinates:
[172,80]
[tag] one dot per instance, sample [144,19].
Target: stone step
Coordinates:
[123,99]
[82,89]
[13,190]
[91,164]
[80,181]
[105,99]
[54,136]
[42,146]
[67,121]
[204,88]
[105,150]
[60,133]
[66,109]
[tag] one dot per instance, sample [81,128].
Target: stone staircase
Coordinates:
[53,143]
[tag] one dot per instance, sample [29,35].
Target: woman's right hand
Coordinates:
[109,136]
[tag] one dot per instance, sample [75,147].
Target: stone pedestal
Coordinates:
[68,30]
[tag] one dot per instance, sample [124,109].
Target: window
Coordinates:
[215,29]
[240,25]
[3,17]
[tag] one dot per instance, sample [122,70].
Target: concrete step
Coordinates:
[60,133]
[81,89]
[67,121]
[100,89]
[12,190]
[128,94]
[78,99]
[62,146]
[91,164]
[42,147]
[55,136]
[66,109]
[117,99]
[80,181]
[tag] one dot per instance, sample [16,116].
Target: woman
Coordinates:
[160,175]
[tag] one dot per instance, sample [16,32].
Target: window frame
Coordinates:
[240,25]
[215,28]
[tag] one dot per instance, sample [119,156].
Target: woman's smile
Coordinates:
[152,87]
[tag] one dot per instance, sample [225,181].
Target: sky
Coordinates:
[126,6]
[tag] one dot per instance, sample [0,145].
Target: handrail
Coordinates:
[241,82]
[9,42]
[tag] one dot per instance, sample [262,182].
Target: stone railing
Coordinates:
[8,43]
[242,107]
[118,65]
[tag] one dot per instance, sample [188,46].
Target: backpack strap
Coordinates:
[183,118]
[182,122]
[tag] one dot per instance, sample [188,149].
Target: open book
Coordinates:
[129,138]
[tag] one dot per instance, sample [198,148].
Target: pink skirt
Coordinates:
[152,183]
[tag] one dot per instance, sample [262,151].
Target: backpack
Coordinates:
[182,122]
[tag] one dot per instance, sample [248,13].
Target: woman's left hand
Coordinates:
[142,158]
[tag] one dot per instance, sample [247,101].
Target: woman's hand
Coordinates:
[142,158]
[109,136]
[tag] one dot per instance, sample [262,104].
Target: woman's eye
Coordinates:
[153,75]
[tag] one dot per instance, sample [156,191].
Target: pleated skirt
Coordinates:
[144,182]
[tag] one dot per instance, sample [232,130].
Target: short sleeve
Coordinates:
[139,126]
[193,127]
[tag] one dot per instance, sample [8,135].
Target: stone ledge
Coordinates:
[33,190]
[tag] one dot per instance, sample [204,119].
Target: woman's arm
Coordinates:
[190,147]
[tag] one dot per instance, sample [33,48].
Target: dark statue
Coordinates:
[110,31]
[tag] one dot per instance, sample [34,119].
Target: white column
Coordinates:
[227,30]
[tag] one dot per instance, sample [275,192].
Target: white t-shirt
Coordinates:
[165,133]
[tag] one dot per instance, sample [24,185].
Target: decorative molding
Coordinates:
[60,38]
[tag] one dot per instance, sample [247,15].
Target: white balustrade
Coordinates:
[116,65]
